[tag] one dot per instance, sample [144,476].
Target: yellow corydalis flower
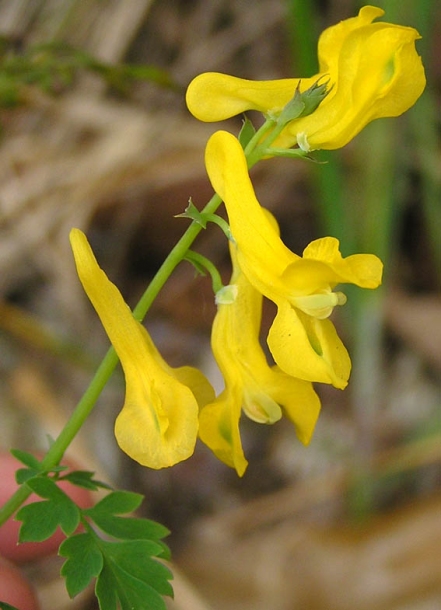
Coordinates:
[251,385]
[158,424]
[303,342]
[372,70]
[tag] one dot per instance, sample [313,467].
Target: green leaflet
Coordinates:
[41,519]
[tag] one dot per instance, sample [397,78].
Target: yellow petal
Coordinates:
[332,39]
[197,382]
[299,401]
[158,423]
[214,96]
[159,420]
[123,330]
[322,266]
[219,428]
[308,348]
[251,227]
[235,345]
[219,420]
[364,270]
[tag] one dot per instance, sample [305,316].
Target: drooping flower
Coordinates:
[158,423]
[302,340]
[262,392]
[372,69]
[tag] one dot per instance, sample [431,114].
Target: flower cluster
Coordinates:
[367,71]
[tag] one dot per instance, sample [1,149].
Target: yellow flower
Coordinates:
[373,71]
[303,342]
[158,424]
[251,384]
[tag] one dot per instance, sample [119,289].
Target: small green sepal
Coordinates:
[293,109]
[314,96]
[303,104]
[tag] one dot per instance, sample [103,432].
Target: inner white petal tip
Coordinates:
[319,305]
[302,141]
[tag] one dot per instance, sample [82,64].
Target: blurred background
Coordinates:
[95,134]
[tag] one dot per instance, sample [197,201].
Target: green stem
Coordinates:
[260,147]
[221,223]
[254,149]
